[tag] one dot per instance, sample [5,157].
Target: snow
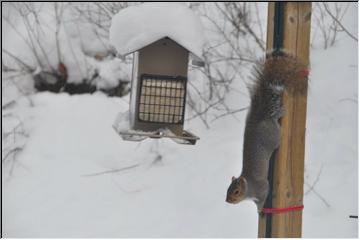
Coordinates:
[76,177]
[138,26]
[332,141]
[72,137]
[111,72]
[122,122]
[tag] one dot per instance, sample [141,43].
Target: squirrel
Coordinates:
[272,77]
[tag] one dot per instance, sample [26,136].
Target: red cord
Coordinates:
[304,72]
[282,210]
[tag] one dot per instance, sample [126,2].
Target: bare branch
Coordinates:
[229,113]
[338,22]
[316,180]
[18,60]
[110,171]
[327,204]
[10,152]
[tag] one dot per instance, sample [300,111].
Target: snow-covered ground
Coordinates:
[77,178]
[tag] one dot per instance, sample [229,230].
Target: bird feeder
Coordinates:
[158,89]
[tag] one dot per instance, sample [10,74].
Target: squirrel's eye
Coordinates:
[236,192]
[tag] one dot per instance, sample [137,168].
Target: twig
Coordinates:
[229,113]
[316,180]
[57,29]
[27,66]
[110,171]
[338,22]
[312,188]
[7,105]
[319,196]
[12,151]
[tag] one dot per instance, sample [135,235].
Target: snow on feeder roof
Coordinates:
[137,26]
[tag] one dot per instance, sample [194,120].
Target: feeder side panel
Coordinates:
[134,86]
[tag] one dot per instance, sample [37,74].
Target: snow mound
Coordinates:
[111,73]
[122,122]
[137,26]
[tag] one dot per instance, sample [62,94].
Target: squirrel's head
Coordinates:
[237,190]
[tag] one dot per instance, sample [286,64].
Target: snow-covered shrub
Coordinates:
[42,36]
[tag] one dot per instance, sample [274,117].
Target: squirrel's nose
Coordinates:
[229,200]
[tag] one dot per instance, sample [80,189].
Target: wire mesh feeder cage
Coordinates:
[158,94]
[162,99]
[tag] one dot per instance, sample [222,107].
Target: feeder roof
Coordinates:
[137,26]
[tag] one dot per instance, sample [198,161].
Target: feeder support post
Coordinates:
[288,171]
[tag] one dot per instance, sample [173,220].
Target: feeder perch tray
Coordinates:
[133,135]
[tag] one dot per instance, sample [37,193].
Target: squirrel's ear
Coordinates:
[233,178]
[242,179]
[243,183]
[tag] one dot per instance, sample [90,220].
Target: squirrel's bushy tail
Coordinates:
[271,78]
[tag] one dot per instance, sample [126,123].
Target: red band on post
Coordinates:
[282,210]
[304,73]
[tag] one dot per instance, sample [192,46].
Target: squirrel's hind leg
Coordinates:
[280,113]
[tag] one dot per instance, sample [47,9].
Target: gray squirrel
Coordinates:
[272,77]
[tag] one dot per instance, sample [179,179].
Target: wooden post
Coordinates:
[288,178]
